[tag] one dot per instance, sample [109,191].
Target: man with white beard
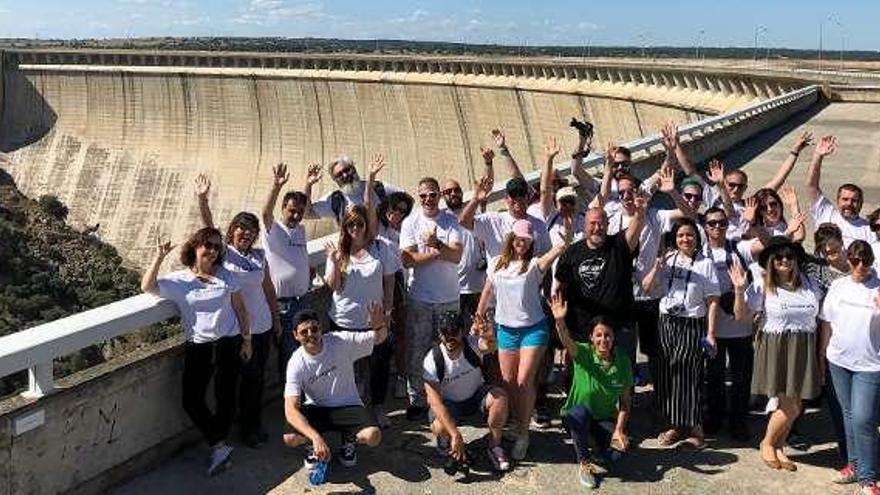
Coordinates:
[350,190]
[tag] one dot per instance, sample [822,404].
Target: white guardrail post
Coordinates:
[34,349]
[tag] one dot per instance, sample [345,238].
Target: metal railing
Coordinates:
[35,348]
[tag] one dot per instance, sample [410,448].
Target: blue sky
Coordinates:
[780,23]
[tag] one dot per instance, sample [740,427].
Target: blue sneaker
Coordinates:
[318,474]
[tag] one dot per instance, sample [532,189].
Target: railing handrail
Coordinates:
[35,348]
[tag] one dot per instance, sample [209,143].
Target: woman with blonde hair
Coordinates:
[514,279]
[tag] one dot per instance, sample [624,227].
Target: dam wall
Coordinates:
[121,145]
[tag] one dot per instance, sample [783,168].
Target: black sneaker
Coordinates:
[416,413]
[542,418]
[348,453]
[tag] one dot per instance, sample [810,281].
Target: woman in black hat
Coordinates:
[786,361]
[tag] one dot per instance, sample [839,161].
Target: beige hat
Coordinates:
[566,192]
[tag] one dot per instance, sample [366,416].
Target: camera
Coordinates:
[676,310]
[584,128]
[454,466]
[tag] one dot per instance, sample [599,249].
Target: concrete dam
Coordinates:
[119,136]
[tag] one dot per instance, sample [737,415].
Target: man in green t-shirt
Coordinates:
[600,397]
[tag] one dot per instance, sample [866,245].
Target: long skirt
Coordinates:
[680,364]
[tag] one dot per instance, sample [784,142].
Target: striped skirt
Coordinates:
[680,370]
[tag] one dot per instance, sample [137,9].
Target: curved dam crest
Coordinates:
[121,145]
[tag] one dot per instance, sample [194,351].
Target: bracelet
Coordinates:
[795,153]
[580,154]
[503,151]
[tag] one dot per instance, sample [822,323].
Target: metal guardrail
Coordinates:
[35,348]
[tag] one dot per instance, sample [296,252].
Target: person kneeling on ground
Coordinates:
[598,405]
[321,371]
[455,388]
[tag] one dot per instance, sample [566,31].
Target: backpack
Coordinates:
[337,200]
[440,363]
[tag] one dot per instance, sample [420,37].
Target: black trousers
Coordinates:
[740,355]
[250,396]
[218,359]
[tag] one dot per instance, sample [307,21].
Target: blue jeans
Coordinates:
[859,395]
[287,309]
[583,427]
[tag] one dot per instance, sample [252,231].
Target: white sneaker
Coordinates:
[520,447]
[382,420]
[772,405]
[219,458]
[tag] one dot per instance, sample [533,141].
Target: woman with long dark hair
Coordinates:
[787,364]
[688,319]
[514,279]
[248,265]
[770,213]
[216,328]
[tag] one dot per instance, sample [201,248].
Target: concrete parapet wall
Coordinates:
[855,94]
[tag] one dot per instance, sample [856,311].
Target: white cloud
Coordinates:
[263,12]
[417,15]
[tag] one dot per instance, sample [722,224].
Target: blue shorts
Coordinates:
[515,338]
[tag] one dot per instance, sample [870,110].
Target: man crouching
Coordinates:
[321,371]
[455,389]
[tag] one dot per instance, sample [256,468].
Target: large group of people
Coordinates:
[470,308]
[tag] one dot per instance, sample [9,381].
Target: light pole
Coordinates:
[700,36]
[758,30]
[832,18]
[842,42]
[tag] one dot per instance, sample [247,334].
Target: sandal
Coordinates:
[695,442]
[669,437]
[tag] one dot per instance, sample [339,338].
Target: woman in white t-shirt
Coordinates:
[360,271]
[216,328]
[249,267]
[786,359]
[770,213]
[850,326]
[686,333]
[514,279]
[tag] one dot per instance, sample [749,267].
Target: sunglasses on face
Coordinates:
[626,192]
[856,261]
[692,197]
[451,190]
[431,195]
[736,185]
[359,224]
[717,224]
[784,255]
[772,204]
[343,172]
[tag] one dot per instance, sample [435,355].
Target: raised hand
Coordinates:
[333,253]
[567,231]
[488,155]
[670,137]
[376,165]
[804,140]
[716,171]
[280,175]
[795,222]
[558,306]
[483,188]
[751,210]
[667,179]
[788,197]
[498,138]
[313,174]
[202,185]
[163,247]
[551,147]
[737,275]
[610,149]
[827,146]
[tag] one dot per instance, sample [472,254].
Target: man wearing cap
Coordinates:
[849,199]
[350,190]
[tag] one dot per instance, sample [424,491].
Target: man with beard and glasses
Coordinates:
[350,190]
[849,199]
[430,244]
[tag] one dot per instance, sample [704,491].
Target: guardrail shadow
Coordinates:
[27,116]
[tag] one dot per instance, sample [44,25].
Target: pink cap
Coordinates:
[522,228]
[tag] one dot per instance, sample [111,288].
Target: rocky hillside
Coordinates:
[49,270]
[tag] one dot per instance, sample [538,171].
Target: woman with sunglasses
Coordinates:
[216,327]
[514,279]
[687,331]
[769,208]
[850,323]
[787,364]
[360,271]
[249,267]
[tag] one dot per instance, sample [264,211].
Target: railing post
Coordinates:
[40,382]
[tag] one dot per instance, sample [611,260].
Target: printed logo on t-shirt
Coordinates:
[590,272]
[450,379]
[322,374]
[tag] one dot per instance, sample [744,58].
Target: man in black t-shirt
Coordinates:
[595,273]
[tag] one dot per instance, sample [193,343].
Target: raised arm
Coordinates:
[827,145]
[805,139]
[567,234]
[313,175]
[637,223]
[503,151]
[279,179]
[672,143]
[589,183]
[796,230]
[376,166]
[333,269]
[202,187]
[739,281]
[551,149]
[716,176]
[481,191]
[150,282]
[667,185]
[560,308]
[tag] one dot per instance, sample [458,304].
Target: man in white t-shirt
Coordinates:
[430,243]
[320,394]
[472,267]
[456,391]
[285,241]
[350,191]
[849,199]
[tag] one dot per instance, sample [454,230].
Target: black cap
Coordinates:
[778,243]
[517,187]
